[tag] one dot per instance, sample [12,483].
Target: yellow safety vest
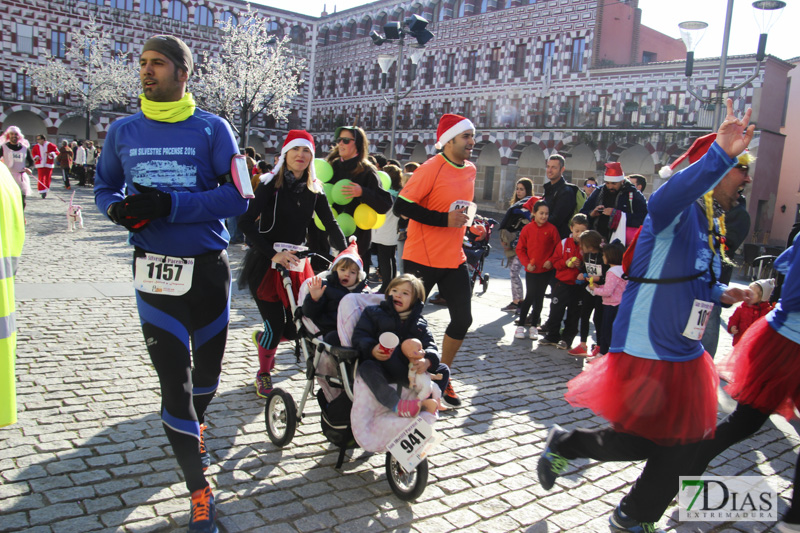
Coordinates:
[12,236]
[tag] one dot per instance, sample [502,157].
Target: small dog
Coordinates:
[74,217]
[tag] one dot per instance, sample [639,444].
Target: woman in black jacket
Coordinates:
[282,209]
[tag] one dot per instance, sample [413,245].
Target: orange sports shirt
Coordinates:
[436,185]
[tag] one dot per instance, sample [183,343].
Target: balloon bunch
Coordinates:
[363,217]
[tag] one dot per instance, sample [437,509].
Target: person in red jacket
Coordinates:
[750,311]
[567,260]
[534,250]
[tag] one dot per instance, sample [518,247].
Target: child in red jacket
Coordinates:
[750,311]
[534,249]
[567,260]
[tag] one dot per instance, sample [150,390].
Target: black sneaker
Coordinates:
[619,522]
[450,398]
[548,342]
[551,465]
[205,457]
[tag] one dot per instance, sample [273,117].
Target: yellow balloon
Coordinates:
[380,221]
[365,216]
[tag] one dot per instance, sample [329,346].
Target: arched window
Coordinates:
[336,36]
[323,36]
[176,10]
[151,7]
[438,11]
[484,6]
[366,25]
[273,28]
[351,30]
[226,16]
[381,21]
[501,4]
[460,8]
[203,16]
[297,35]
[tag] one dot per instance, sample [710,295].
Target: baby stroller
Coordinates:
[477,248]
[405,441]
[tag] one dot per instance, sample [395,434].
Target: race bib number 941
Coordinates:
[162,274]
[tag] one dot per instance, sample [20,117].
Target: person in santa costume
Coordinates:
[44,155]
[617,203]
[283,207]
[433,200]
[657,386]
[17,157]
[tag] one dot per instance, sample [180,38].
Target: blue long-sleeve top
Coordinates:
[183,158]
[785,318]
[673,243]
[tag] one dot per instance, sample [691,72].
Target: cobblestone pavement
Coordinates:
[89,453]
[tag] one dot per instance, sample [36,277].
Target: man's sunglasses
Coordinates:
[345,140]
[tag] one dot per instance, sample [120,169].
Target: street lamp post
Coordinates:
[413,26]
[692,32]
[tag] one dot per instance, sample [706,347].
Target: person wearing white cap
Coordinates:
[617,203]
[433,248]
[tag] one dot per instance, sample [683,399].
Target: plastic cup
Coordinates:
[388,342]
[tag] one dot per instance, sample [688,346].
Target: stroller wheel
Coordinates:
[485,283]
[281,417]
[406,486]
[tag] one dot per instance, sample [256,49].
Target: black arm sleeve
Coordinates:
[248,222]
[416,212]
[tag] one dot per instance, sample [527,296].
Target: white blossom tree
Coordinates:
[91,71]
[253,73]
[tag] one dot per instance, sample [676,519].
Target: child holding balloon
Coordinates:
[282,209]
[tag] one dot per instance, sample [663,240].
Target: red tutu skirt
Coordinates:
[271,287]
[667,402]
[765,370]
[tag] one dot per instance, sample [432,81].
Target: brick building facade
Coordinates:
[584,79]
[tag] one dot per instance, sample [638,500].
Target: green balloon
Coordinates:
[323,169]
[386,180]
[328,188]
[337,195]
[346,224]
[318,222]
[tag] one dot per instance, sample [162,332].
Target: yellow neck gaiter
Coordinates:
[169,111]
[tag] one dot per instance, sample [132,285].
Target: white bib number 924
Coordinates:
[162,274]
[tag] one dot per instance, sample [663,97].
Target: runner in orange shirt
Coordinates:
[438,201]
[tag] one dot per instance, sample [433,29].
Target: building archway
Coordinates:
[636,159]
[73,127]
[531,162]
[29,121]
[487,180]
[581,163]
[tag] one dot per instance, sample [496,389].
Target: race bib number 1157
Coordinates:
[162,274]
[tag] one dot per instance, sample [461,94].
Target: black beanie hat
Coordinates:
[172,47]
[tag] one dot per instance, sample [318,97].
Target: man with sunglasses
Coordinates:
[589,185]
[433,248]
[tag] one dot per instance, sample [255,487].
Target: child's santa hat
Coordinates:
[767,286]
[698,149]
[295,138]
[613,173]
[351,252]
[450,126]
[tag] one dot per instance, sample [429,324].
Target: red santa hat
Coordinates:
[450,126]
[351,252]
[613,173]
[697,150]
[295,138]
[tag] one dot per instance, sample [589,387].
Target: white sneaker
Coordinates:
[520,333]
[533,334]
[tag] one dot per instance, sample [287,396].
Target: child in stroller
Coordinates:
[400,313]
[350,412]
[477,248]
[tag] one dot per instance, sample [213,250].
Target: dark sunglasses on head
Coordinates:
[345,140]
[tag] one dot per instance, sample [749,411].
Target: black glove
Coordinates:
[150,203]
[119,215]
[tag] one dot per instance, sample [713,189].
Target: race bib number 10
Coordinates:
[696,326]
[162,274]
